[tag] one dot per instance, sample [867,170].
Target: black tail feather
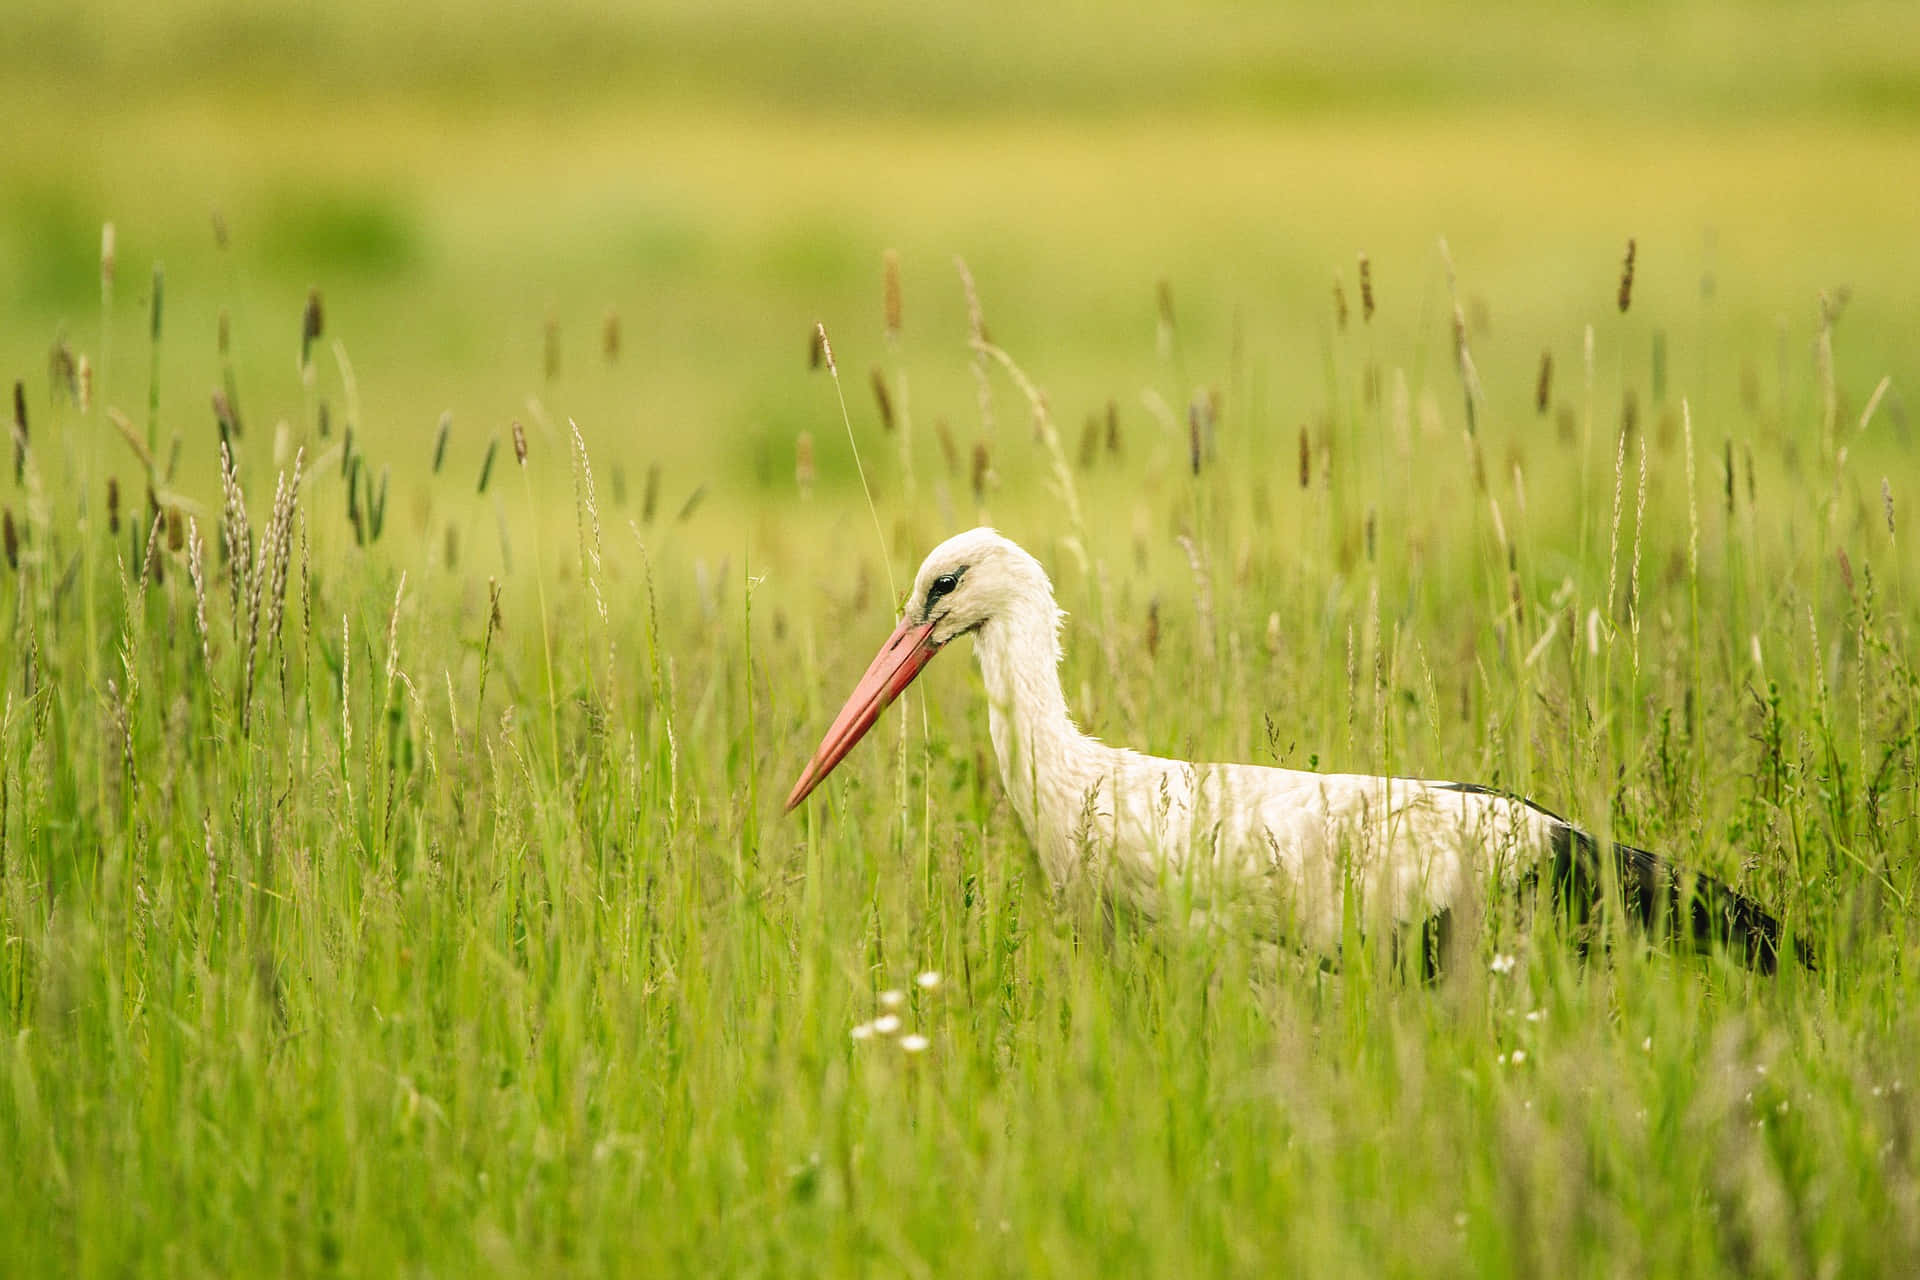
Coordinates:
[1660,897]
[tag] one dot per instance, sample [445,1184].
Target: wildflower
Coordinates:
[1502,963]
[928,981]
[893,999]
[864,1031]
[914,1043]
[886,1024]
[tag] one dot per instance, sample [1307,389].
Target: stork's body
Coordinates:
[1297,852]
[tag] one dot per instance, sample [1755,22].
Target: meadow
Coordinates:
[393,875]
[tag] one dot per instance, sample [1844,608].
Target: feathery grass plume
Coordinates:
[803,464]
[10,539]
[1113,428]
[650,496]
[1202,594]
[587,520]
[1626,277]
[882,398]
[486,464]
[519,443]
[610,335]
[238,536]
[1639,540]
[1339,304]
[1152,636]
[196,573]
[19,432]
[440,440]
[949,451]
[551,343]
[1543,385]
[1613,540]
[494,624]
[1366,289]
[313,326]
[113,505]
[816,346]
[982,469]
[977,335]
[890,295]
[1846,572]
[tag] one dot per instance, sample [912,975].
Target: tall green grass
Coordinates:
[452,923]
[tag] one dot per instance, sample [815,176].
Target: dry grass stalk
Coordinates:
[1366,289]
[890,295]
[977,334]
[1626,277]
[587,500]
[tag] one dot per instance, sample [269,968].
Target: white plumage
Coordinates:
[1285,852]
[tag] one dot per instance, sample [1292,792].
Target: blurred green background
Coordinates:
[463,181]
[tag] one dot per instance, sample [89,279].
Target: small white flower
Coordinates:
[893,999]
[1502,963]
[1534,1015]
[1647,1045]
[914,1043]
[928,981]
[862,1032]
[1519,1056]
[886,1024]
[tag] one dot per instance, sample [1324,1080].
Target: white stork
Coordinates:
[1303,851]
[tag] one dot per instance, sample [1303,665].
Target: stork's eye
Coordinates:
[941,585]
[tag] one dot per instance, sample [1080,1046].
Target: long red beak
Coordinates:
[907,650]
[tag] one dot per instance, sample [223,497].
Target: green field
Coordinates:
[400,885]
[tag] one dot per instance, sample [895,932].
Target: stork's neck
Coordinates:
[1045,762]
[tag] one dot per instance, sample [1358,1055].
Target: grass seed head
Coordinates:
[10,539]
[1626,278]
[519,443]
[440,440]
[107,255]
[113,505]
[486,464]
[1543,385]
[1339,305]
[882,398]
[982,468]
[1366,289]
[610,336]
[1113,428]
[1306,458]
[313,325]
[1886,501]
[890,294]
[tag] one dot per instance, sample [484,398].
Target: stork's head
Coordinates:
[964,584]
